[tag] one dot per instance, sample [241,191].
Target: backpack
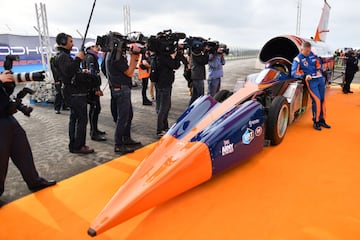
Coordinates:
[154,74]
[54,69]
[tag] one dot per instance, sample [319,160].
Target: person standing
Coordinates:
[307,66]
[198,59]
[14,143]
[59,101]
[75,94]
[119,73]
[144,68]
[351,68]
[166,64]
[216,72]
[92,65]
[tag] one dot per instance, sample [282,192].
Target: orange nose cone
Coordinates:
[172,168]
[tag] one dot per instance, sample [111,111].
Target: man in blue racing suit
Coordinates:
[307,66]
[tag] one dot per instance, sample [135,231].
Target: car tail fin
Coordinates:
[322,29]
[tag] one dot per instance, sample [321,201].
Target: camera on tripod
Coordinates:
[16,103]
[165,42]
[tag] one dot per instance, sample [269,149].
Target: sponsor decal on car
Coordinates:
[254,122]
[227,148]
[248,136]
[258,131]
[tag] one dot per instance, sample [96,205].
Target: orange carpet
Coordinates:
[306,188]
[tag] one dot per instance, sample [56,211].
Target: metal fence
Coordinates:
[242,53]
[340,63]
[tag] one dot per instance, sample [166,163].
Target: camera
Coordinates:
[195,44]
[199,44]
[112,41]
[120,43]
[22,77]
[138,39]
[224,49]
[165,42]
[16,103]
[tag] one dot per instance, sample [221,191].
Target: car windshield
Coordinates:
[266,76]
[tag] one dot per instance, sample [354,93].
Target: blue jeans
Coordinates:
[163,105]
[122,101]
[78,122]
[213,86]
[198,90]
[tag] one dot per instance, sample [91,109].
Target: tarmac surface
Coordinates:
[48,132]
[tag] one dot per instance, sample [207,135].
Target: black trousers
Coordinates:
[163,105]
[59,101]
[78,121]
[145,83]
[15,145]
[349,77]
[94,111]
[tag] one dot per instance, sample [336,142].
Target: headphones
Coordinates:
[61,39]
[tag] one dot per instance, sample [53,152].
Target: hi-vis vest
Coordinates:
[143,73]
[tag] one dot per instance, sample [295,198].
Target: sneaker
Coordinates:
[317,126]
[324,124]
[57,112]
[123,150]
[350,92]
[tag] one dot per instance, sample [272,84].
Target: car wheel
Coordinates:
[278,120]
[222,95]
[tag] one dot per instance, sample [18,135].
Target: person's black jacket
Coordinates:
[166,73]
[351,65]
[67,68]
[197,63]
[91,61]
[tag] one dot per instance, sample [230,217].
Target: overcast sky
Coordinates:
[235,22]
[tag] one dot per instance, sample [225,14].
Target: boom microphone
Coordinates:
[87,27]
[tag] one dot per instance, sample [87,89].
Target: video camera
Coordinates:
[111,41]
[199,44]
[116,41]
[165,42]
[16,103]
[138,39]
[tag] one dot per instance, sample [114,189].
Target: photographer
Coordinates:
[119,74]
[92,65]
[216,72]
[14,143]
[166,64]
[75,93]
[198,59]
